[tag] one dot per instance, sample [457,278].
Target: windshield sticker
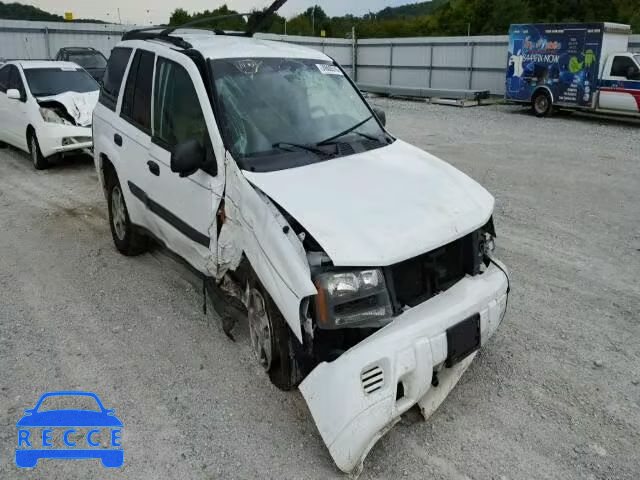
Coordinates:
[328,69]
[68,69]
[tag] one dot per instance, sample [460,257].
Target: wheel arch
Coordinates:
[543,88]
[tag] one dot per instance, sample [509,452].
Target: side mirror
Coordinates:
[381,116]
[187,158]
[14,94]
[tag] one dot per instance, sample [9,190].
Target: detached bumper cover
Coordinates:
[349,419]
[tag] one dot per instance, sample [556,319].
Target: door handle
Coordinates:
[117,139]
[154,168]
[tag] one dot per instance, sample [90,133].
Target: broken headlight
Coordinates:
[51,116]
[350,299]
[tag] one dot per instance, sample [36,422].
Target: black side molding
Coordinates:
[187,230]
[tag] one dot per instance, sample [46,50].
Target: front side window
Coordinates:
[46,82]
[88,60]
[15,81]
[177,112]
[4,78]
[268,104]
[621,66]
[136,101]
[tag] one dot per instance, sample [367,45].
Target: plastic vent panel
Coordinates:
[372,379]
[345,149]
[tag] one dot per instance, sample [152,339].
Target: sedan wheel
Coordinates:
[118,214]
[260,330]
[39,162]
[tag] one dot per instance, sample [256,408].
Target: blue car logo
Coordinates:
[64,423]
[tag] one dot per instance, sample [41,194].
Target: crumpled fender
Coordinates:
[254,226]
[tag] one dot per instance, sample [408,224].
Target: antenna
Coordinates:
[257,20]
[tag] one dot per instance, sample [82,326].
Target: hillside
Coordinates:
[18,11]
[410,10]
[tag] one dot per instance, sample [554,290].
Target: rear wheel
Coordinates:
[272,341]
[542,104]
[125,236]
[39,162]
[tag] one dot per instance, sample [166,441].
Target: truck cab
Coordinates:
[620,83]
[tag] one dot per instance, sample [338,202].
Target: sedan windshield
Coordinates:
[280,112]
[89,60]
[46,82]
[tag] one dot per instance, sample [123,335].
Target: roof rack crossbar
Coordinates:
[163,33]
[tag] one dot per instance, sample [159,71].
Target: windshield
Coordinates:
[275,107]
[637,57]
[45,82]
[88,60]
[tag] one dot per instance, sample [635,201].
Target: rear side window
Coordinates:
[4,78]
[621,66]
[136,101]
[177,112]
[113,77]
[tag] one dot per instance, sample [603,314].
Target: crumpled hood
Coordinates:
[379,207]
[79,105]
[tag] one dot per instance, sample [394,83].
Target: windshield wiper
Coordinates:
[347,131]
[308,148]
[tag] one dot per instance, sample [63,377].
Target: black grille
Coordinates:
[418,279]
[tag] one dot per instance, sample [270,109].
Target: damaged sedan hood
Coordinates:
[379,207]
[79,106]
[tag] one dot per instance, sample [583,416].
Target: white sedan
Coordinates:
[46,108]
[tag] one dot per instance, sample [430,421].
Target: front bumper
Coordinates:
[51,135]
[408,350]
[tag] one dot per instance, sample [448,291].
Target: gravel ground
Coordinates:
[556,394]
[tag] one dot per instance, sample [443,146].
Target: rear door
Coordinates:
[132,136]
[185,208]
[617,91]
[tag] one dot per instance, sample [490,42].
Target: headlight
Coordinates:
[352,299]
[50,116]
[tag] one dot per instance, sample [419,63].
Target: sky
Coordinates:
[158,11]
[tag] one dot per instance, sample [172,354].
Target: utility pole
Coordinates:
[285,26]
[313,21]
[119,17]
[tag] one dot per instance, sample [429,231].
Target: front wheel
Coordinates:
[127,240]
[542,104]
[39,162]
[272,341]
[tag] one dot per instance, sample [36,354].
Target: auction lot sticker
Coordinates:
[91,431]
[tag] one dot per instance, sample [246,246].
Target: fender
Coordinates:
[543,87]
[254,227]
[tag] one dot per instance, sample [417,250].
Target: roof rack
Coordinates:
[163,33]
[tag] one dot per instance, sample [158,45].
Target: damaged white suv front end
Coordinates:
[398,246]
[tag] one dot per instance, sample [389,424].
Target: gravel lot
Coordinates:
[555,395]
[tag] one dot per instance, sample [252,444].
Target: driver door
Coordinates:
[185,208]
[619,92]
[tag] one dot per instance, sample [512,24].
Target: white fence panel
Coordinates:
[436,62]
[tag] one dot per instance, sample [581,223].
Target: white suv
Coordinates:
[365,265]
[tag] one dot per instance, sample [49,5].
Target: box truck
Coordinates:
[576,66]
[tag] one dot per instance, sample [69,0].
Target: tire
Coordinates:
[284,367]
[127,239]
[542,104]
[39,162]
